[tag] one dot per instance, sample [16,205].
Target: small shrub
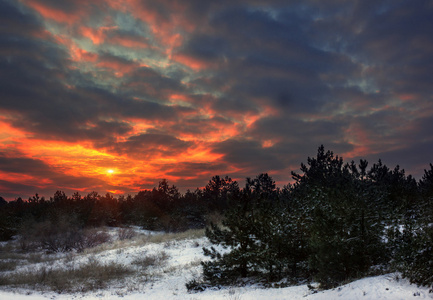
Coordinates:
[157,260]
[126,233]
[194,286]
[92,238]
[8,265]
[6,232]
[62,236]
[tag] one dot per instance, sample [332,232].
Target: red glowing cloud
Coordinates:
[191,62]
[54,14]
[118,68]
[129,42]
[97,36]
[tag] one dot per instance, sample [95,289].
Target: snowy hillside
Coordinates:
[158,267]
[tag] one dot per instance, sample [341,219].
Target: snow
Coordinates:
[168,281]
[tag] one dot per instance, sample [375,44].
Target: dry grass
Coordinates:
[22,269]
[177,236]
[11,254]
[88,277]
[141,239]
[194,263]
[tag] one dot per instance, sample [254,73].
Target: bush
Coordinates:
[196,286]
[417,264]
[7,228]
[91,238]
[157,260]
[62,236]
[126,233]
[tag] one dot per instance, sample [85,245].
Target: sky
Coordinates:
[116,95]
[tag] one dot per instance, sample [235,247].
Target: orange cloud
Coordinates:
[359,138]
[97,36]
[212,133]
[25,179]
[53,13]
[191,62]
[119,68]
[176,98]
[407,97]
[268,143]
[76,53]
[129,42]
[9,134]
[82,55]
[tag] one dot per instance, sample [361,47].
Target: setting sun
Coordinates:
[110,171]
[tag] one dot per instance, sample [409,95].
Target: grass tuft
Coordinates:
[146,261]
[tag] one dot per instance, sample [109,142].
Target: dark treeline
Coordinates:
[162,208]
[337,222]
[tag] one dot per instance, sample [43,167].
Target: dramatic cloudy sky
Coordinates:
[185,90]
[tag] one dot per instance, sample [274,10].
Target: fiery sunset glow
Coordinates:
[117,95]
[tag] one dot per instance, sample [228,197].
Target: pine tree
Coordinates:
[417,265]
[344,227]
[426,194]
[414,237]
[237,237]
[263,236]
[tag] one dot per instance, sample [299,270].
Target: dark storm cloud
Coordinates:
[13,190]
[193,169]
[411,140]
[299,132]
[270,57]
[14,21]
[23,165]
[199,127]
[414,157]
[392,38]
[149,84]
[146,146]
[240,154]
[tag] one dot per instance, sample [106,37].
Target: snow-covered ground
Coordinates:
[182,263]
